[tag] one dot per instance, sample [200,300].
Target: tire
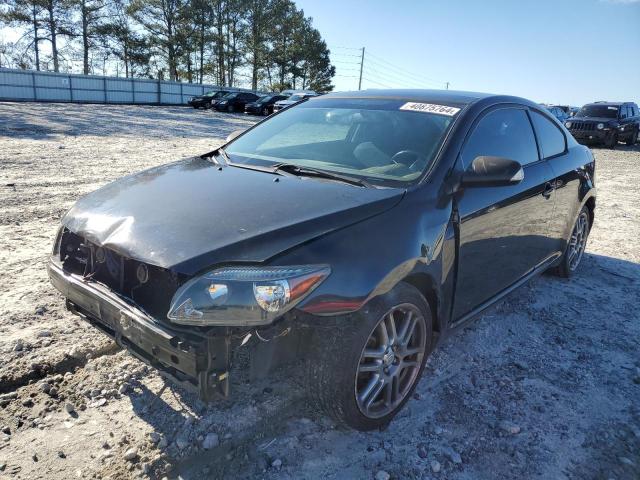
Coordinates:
[265,111]
[338,354]
[230,109]
[613,141]
[634,139]
[568,262]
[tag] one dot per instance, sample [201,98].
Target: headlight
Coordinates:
[243,296]
[600,126]
[567,124]
[223,102]
[622,129]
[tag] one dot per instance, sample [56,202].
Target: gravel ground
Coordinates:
[544,385]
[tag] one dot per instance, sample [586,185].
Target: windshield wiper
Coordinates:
[312,172]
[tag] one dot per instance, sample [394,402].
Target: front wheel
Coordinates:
[365,368]
[265,111]
[613,141]
[230,109]
[634,139]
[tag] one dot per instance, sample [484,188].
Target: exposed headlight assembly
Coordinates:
[244,296]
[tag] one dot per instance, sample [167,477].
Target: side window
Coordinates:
[635,110]
[623,112]
[502,133]
[552,140]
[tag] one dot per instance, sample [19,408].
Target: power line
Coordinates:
[377,83]
[412,76]
[380,59]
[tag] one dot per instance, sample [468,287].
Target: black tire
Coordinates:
[230,109]
[265,111]
[567,266]
[613,141]
[334,367]
[634,138]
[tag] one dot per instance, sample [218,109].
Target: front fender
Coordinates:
[370,257]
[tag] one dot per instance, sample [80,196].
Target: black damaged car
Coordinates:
[348,234]
[606,123]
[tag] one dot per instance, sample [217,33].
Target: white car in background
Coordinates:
[295,97]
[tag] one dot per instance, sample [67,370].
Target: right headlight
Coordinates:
[567,124]
[244,296]
[600,126]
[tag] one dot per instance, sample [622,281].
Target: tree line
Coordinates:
[267,44]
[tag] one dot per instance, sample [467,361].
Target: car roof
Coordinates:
[436,96]
[608,104]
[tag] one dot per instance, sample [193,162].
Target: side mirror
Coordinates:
[492,172]
[234,134]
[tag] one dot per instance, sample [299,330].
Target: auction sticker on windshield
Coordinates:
[430,108]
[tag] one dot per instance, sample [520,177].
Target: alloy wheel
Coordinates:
[390,361]
[578,241]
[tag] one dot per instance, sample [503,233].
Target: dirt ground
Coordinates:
[544,385]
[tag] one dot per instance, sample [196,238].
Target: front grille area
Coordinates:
[583,126]
[147,286]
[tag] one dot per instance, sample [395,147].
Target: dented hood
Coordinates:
[191,215]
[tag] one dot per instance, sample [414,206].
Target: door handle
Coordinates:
[548,190]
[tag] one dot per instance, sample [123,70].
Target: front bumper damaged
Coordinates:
[198,361]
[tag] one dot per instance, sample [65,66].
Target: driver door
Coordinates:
[503,230]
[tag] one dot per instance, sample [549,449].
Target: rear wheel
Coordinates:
[572,257]
[634,138]
[364,370]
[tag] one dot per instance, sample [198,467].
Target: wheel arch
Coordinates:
[429,290]
[591,207]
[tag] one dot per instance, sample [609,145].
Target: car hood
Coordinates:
[592,119]
[191,215]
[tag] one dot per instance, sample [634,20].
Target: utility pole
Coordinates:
[447,86]
[361,65]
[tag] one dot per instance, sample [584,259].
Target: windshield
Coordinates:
[229,96]
[296,98]
[606,111]
[265,99]
[372,139]
[209,94]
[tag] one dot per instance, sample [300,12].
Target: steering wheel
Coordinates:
[408,153]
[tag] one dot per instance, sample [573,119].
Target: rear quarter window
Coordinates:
[551,139]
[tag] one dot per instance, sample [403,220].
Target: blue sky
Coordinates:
[557,51]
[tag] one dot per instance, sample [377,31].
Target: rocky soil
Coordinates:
[544,385]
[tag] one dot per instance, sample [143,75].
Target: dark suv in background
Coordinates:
[606,123]
[264,105]
[208,99]
[235,101]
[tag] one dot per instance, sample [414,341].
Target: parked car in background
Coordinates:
[235,101]
[264,105]
[294,98]
[206,100]
[568,109]
[606,123]
[557,112]
[346,236]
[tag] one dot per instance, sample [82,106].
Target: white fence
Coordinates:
[32,86]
